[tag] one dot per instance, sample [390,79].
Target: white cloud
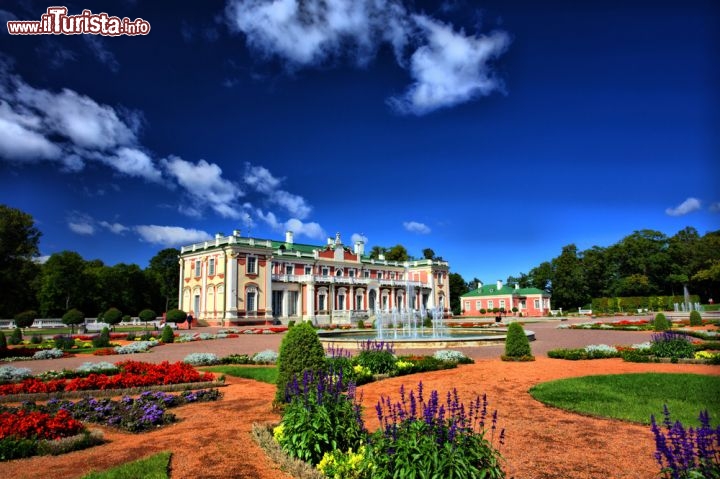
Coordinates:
[170,235]
[299,228]
[687,206]
[358,237]
[447,67]
[116,228]
[262,181]
[69,128]
[81,228]
[450,68]
[415,227]
[204,182]
[97,46]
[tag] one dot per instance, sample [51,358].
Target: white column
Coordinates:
[268,289]
[310,301]
[231,284]
[180,285]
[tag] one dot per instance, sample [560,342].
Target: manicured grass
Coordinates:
[153,467]
[266,374]
[634,397]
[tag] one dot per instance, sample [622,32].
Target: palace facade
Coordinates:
[527,301]
[234,280]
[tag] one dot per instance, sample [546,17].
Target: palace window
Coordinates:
[366,273]
[325,271]
[211,267]
[251,265]
[502,304]
[478,305]
[467,305]
[537,304]
[490,304]
[251,302]
[379,275]
[289,268]
[198,265]
[339,272]
[322,298]
[359,302]
[308,270]
[351,273]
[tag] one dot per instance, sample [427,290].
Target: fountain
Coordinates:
[405,328]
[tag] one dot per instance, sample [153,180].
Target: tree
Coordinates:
[397,253]
[63,283]
[72,318]
[428,253]
[523,280]
[541,277]
[164,273]
[376,251]
[147,315]
[25,319]
[176,316]
[112,316]
[19,240]
[569,288]
[457,288]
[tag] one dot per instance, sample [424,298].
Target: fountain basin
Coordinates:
[454,338]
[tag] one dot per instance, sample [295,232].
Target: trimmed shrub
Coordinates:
[517,345]
[661,323]
[168,336]
[147,315]
[695,318]
[378,362]
[73,317]
[102,340]
[291,323]
[36,339]
[126,318]
[300,351]
[25,319]
[16,337]
[176,316]
[64,342]
[112,316]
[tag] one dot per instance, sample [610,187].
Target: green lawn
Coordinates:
[266,374]
[634,397]
[153,467]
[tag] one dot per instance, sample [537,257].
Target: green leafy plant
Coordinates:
[300,351]
[102,340]
[379,362]
[695,318]
[320,418]
[168,336]
[661,323]
[35,339]
[16,337]
[671,345]
[147,315]
[517,345]
[176,316]
[421,436]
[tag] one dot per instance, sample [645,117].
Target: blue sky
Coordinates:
[492,132]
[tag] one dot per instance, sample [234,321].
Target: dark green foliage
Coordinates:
[661,323]
[379,362]
[300,351]
[361,324]
[671,345]
[168,336]
[517,345]
[112,316]
[73,317]
[176,316]
[695,318]
[11,448]
[147,315]
[236,359]
[570,354]
[427,322]
[291,323]
[637,355]
[102,340]
[3,341]
[131,336]
[25,319]
[36,339]
[126,318]
[429,363]
[16,337]
[320,418]
[64,342]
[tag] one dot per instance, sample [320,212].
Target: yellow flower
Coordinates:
[704,355]
[279,433]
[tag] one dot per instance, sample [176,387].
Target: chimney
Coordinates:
[381,257]
[359,248]
[479,284]
[219,235]
[236,233]
[330,241]
[517,285]
[289,237]
[499,285]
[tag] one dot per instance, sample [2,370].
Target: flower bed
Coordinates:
[132,374]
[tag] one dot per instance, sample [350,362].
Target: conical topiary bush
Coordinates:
[517,344]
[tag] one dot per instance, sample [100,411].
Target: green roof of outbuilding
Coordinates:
[492,290]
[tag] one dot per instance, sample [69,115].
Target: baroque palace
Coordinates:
[234,280]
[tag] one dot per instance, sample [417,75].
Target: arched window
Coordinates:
[251,299]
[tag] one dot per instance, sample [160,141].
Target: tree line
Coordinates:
[644,263]
[67,280]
